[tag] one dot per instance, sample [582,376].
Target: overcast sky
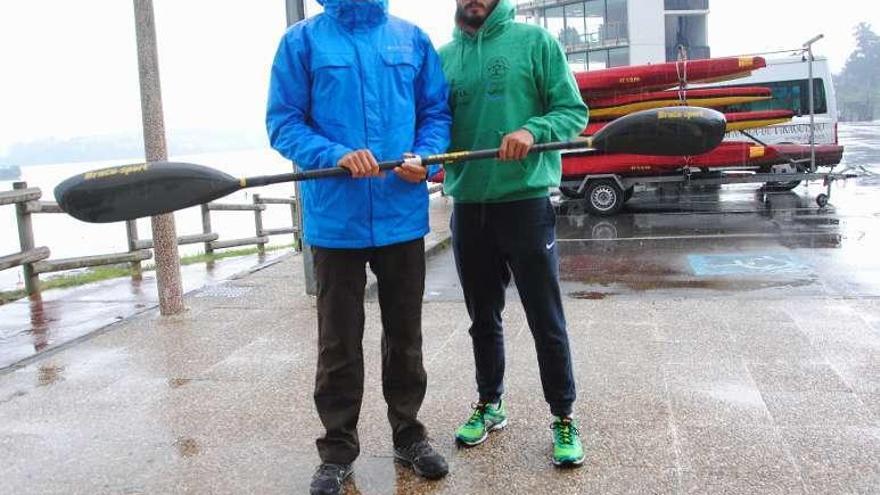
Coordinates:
[69,68]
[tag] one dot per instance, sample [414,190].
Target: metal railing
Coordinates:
[35,260]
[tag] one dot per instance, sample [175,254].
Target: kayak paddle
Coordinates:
[147,189]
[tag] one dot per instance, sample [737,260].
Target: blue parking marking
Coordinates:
[746,264]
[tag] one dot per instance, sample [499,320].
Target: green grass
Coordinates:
[100,273]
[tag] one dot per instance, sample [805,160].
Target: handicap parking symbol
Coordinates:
[746,264]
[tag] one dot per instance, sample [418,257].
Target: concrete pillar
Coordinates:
[164,232]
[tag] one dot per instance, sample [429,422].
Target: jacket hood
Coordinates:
[500,18]
[355,14]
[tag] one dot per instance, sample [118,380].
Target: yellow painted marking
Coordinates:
[621,110]
[746,62]
[114,171]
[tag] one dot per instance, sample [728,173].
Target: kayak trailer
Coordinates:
[605,194]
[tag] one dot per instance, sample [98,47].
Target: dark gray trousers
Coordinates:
[339,383]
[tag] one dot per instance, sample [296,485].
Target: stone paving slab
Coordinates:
[218,400]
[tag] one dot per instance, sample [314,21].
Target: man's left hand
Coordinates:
[516,145]
[410,171]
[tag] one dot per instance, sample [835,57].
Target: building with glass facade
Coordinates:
[597,34]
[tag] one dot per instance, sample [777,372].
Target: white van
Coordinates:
[788,79]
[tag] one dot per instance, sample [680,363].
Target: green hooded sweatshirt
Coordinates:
[508,76]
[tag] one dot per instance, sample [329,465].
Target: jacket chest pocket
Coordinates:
[335,78]
[398,87]
[401,69]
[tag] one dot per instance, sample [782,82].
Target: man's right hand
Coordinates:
[360,163]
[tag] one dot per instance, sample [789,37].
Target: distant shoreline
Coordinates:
[11,172]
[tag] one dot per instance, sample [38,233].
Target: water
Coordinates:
[67,237]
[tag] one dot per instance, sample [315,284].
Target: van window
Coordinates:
[787,95]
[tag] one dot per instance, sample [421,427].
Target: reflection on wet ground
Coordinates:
[42,322]
[662,242]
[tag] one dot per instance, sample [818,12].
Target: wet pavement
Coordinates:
[724,342]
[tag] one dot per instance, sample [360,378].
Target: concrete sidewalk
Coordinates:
[678,395]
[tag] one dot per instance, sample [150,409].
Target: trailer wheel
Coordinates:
[570,192]
[822,200]
[604,197]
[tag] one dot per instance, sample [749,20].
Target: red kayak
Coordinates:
[611,107]
[737,121]
[641,78]
[731,154]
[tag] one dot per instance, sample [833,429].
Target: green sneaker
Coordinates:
[484,419]
[567,449]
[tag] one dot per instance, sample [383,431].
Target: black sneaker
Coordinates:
[328,479]
[424,460]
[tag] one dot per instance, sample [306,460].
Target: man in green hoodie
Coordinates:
[511,88]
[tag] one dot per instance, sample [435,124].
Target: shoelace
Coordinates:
[420,449]
[479,411]
[565,431]
[330,470]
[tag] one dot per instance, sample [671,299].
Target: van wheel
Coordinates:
[604,197]
[822,200]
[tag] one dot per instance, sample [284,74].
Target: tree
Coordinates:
[858,84]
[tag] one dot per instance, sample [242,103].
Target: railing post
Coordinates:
[258,220]
[297,226]
[26,241]
[206,227]
[131,231]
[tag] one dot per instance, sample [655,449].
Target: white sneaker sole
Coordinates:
[497,426]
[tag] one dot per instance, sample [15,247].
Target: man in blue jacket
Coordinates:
[351,87]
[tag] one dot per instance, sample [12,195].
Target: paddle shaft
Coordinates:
[454,157]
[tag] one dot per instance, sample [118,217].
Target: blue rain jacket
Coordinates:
[354,78]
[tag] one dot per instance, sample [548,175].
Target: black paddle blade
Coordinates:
[669,131]
[147,189]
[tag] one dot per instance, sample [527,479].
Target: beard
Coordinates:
[462,16]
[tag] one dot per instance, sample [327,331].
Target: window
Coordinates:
[575,25]
[787,95]
[616,31]
[555,19]
[618,57]
[594,19]
[577,61]
[597,60]
[687,4]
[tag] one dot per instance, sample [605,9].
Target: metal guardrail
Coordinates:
[35,260]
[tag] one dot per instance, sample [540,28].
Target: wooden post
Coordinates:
[131,231]
[258,220]
[206,227]
[164,234]
[26,241]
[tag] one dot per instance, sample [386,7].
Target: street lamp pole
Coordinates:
[296,12]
